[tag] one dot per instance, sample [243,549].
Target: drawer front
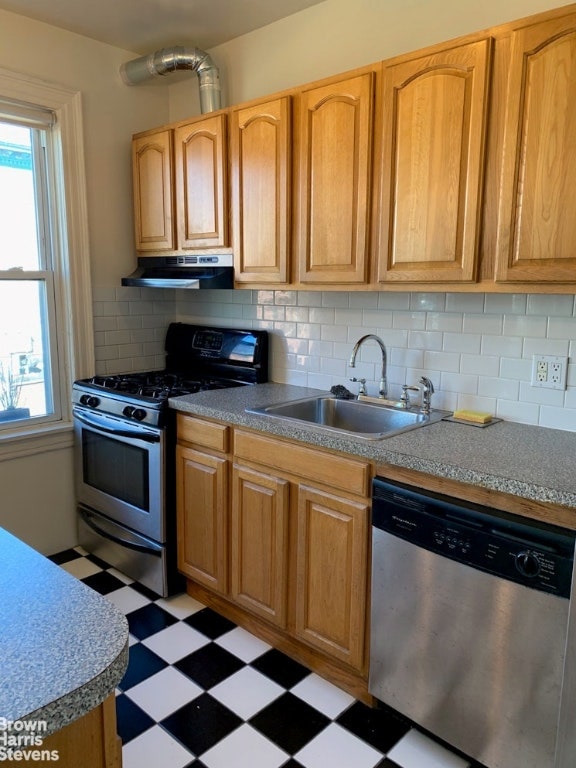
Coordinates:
[310,463]
[205,433]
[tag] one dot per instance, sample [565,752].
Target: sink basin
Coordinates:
[370,421]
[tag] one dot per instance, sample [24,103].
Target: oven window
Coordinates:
[116,468]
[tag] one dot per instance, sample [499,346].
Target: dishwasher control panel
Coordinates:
[524,551]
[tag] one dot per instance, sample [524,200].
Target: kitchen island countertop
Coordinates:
[63,647]
[520,459]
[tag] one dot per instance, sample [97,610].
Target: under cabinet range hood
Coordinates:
[206,271]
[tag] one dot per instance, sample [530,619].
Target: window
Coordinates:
[45,300]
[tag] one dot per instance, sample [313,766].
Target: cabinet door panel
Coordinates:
[261,186]
[201,192]
[536,230]
[432,165]
[334,178]
[331,574]
[202,507]
[259,543]
[152,185]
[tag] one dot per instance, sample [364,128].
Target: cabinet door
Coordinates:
[201,183]
[432,163]
[202,512]
[537,227]
[152,185]
[261,189]
[334,179]
[259,543]
[331,574]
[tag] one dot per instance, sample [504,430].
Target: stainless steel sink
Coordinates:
[370,421]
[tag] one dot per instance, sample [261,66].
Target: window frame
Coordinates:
[72,282]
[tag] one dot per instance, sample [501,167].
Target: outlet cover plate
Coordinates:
[549,371]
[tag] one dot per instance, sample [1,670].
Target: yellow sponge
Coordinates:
[478,417]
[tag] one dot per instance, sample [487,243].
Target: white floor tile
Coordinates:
[338,748]
[132,640]
[175,642]
[81,567]
[244,748]
[81,550]
[164,693]
[181,605]
[127,599]
[155,748]
[121,576]
[246,692]
[243,644]
[322,695]
[418,751]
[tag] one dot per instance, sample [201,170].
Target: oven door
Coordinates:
[120,471]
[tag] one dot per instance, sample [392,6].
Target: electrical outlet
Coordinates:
[549,371]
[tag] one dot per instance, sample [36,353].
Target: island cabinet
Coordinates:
[431,164]
[536,230]
[261,176]
[333,171]
[292,537]
[180,187]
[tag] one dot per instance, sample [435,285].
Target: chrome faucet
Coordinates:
[383,391]
[427,392]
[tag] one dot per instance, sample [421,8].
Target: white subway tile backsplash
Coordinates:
[476,348]
[505,303]
[550,304]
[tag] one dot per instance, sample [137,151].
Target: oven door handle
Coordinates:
[137,434]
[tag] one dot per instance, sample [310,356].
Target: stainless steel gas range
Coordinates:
[125,444]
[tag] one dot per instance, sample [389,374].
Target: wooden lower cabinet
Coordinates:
[285,553]
[259,543]
[202,513]
[332,573]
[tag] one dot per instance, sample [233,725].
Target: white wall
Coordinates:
[37,500]
[339,35]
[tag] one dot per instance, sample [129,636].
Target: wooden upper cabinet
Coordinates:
[334,174]
[260,142]
[536,224]
[200,160]
[153,190]
[432,162]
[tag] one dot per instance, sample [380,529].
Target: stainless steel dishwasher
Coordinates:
[469,626]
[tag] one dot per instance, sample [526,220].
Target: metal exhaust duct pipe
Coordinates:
[161,63]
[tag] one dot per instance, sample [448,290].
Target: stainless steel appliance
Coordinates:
[208,271]
[125,440]
[470,619]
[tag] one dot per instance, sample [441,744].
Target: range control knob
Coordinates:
[139,414]
[90,400]
[528,564]
[128,411]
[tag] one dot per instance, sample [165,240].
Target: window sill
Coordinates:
[27,442]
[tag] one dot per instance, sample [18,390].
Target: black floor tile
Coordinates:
[148,620]
[64,557]
[292,764]
[103,582]
[289,722]
[209,665]
[386,763]
[142,664]
[379,727]
[144,591]
[132,721]
[201,724]
[280,668]
[210,623]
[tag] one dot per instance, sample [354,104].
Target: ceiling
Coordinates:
[144,26]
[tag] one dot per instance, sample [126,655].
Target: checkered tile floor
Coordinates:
[201,692]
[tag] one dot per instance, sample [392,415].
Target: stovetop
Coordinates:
[197,358]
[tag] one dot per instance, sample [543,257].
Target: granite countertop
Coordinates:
[524,460]
[63,647]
